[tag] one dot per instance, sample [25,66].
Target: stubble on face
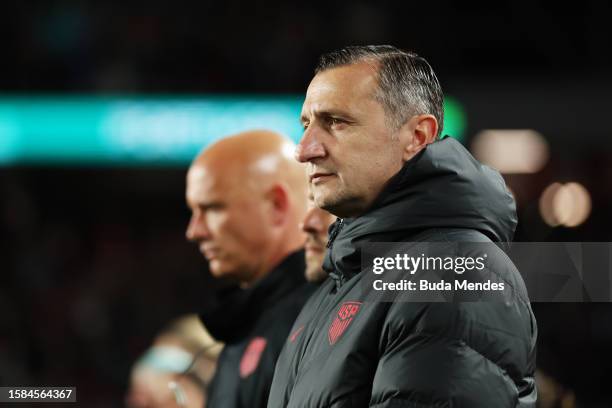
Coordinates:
[361,153]
[314,267]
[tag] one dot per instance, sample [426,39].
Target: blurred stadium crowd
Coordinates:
[96,266]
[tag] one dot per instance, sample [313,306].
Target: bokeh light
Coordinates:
[521,151]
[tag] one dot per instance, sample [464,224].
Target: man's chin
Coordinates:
[338,204]
[325,197]
[314,273]
[314,259]
[228,271]
[219,269]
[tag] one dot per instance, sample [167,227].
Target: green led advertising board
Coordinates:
[152,130]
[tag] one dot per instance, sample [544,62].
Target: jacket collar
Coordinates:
[441,187]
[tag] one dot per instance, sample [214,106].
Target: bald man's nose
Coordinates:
[197,229]
[309,148]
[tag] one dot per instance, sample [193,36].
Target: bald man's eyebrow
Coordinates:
[207,206]
[214,205]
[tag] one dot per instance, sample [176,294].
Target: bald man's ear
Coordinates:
[417,133]
[278,198]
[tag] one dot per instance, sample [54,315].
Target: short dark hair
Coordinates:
[407,84]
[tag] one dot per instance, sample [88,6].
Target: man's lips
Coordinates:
[314,245]
[319,176]
[313,248]
[209,253]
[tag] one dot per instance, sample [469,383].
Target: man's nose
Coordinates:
[311,222]
[310,147]
[197,229]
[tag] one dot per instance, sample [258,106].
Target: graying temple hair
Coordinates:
[407,84]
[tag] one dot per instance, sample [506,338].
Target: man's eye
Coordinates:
[335,122]
[211,207]
[305,125]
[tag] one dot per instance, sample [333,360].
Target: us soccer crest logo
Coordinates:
[344,317]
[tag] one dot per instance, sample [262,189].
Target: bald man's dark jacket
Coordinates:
[254,323]
[351,352]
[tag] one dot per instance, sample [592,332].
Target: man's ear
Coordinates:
[278,199]
[419,131]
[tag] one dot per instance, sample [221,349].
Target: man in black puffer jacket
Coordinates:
[372,119]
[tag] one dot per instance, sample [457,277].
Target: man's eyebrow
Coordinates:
[207,205]
[213,204]
[327,114]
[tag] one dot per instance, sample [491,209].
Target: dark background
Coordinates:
[93,261]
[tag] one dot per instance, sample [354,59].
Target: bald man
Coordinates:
[247,197]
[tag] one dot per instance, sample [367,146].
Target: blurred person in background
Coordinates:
[248,196]
[552,394]
[175,371]
[316,224]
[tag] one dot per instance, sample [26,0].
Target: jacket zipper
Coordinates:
[330,243]
[334,233]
